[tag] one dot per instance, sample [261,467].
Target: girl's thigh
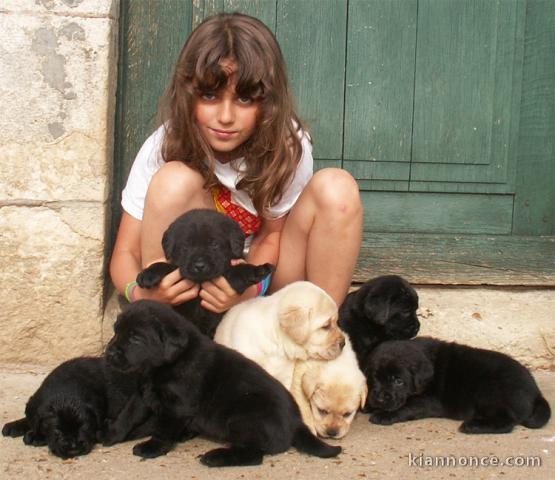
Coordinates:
[321,238]
[174,189]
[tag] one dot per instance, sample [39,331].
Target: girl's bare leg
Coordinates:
[174,189]
[321,239]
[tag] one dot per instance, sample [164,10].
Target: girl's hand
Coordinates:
[218,296]
[172,290]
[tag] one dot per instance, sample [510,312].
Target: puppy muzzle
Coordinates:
[332,431]
[68,448]
[200,269]
[329,354]
[385,401]
[116,359]
[403,331]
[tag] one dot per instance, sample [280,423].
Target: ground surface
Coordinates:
[369,451]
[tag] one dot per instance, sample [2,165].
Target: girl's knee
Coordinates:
[336,190]
[176,177]
[177,186]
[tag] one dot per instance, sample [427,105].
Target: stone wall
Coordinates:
[57,84]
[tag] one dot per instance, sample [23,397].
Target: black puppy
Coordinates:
[198,387]
[384,308]
[67,411]
[202,243]
[491,392]
[73,405]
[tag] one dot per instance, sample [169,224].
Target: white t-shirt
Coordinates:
[149,160]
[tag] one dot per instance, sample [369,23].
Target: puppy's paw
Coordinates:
[243,275]
[262,271]
[475,426]
[152,276]
[33,439]
[231,457]
[16,428]
[109,437]
[383,418]
[152,448]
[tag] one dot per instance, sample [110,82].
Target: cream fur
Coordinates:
[278,330]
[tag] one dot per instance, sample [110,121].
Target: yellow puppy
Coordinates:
[298,322]
[329,393]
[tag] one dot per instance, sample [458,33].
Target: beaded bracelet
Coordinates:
[129,288]
[262,287]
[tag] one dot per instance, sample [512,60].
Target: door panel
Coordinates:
[265,10]
[437,213]
[311,34]
[380,80]
[467,92]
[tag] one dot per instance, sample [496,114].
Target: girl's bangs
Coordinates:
[250,82]
[211,77]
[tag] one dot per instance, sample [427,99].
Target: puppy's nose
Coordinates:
[384,397]
[332,432]
[199,266]
[111,353]
[342,343]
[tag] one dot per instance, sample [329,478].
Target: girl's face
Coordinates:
[226,120]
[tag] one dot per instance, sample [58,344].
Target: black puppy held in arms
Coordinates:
[197,387]
[424,377]
[384,308]
[67,411]
[201,244]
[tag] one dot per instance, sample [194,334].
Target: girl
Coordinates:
[230,139]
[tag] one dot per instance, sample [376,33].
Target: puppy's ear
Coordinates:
[236,242]
[174,340]
[377,309]
[168,243]
[363,395]
[422,373]
[309,383]
[293,320]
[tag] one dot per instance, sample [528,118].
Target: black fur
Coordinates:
[201,244]
[197,387]
[67,411]
[384,308]
[71,409]
[424,377]
[124,394]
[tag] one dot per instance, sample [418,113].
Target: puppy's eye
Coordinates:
[327,326]
[322,412]
[398,382]
[347,415]
[134,338]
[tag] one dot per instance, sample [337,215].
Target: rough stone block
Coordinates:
[57,79]
[53,266]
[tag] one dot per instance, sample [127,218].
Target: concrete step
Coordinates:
[516,321]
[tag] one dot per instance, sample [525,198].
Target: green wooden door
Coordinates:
[443,110]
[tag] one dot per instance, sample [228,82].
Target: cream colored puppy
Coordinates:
[329,393]
[298,322]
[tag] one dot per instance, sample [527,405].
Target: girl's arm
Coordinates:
[126,264]
[217,296]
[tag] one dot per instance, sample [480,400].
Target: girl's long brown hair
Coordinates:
[274,150]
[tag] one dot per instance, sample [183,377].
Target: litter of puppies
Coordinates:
[283,370]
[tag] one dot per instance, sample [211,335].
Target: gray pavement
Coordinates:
[410,450]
